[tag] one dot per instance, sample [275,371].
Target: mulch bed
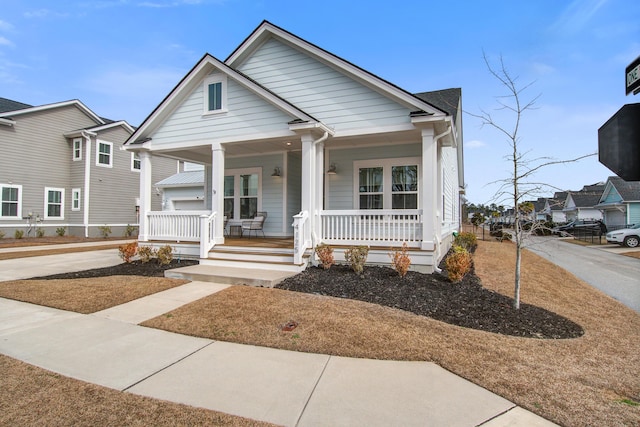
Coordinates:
[465,304]
[135,268]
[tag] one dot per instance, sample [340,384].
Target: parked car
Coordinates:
[630,237]
[580,224]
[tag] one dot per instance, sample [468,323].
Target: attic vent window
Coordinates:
[215,94]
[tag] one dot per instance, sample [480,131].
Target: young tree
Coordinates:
[519,186]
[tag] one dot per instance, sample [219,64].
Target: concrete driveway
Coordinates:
[609,271]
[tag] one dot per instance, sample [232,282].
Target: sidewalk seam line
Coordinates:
[497,415]
[313,390]
[167,366]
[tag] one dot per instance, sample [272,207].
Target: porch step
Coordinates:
[230,275]
[267,258]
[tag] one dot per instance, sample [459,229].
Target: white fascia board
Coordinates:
[194,78]
[261,34]
[46,107]
[122,123]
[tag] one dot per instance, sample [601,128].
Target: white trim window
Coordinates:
[53,203]
[77,149]
[386,183]
[215,94]
[10,201]
[242,193]
[135,162]
[75,199]
[104,154]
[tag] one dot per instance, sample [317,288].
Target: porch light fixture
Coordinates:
[276,172]
[332,169]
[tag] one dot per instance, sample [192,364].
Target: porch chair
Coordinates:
[256,224]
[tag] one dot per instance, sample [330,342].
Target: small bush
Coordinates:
[60,231]
[165,255]
[1,234]
[400,260]
[467,240]
[325,254]
[105,231]
[19,234]
[128,251]
[40,232]
[356,257]
[145,253]
[130,230]
[458,263]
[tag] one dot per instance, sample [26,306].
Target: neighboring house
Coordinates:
[332,153]
[183,191]
[540,212]
[620,203]
[582,205]
[61,165]
[554,207]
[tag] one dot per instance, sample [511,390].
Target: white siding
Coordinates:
[320,90]
[247,115]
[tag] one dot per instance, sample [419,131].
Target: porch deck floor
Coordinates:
[259,242]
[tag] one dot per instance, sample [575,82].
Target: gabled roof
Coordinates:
[585,200]
[192,79]
[266,30]
[13,113]
[628,190]
[446,100]
[10,105]
[183,179]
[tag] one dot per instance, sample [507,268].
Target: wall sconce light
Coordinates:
[332,169]
[276,172]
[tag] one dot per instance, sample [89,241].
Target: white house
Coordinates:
[333,153]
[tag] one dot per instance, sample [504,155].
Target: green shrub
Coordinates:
[130,230]
[1,234]
[40,232]
[145,253]
[467,240]
[325,254]
[400,260]
[356,256]
[458,263]
[105,231]
[165,255]
[128,251]
[60,231]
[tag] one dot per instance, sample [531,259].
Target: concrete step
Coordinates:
[230,275]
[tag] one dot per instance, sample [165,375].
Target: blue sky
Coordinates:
[122,57]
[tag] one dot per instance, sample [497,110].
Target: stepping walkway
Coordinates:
[279,386]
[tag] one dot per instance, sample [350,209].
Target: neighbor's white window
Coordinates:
[77,149]
[386,183]
[54,203]
[10,201]
[215,94]
[75,199]
[104,154]
[135,162]
[242,193]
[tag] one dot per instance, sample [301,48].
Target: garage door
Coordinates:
[188,205]
[615,218]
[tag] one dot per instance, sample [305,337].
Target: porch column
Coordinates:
[145,195]
[319,191]
[308,202]
[429,190]
[217,190]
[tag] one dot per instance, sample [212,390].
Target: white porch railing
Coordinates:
[388,227]
[300,230]
[175,225]
[208,237]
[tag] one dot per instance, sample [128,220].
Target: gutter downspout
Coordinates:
[436,139]
[87,181]
[314,236]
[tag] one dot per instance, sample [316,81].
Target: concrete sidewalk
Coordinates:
[91,245]
[282,387]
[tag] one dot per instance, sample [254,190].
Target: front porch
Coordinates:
[192,235]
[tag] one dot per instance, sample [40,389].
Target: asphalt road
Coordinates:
[614,274]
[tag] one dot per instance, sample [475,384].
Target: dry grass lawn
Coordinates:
[32,253]
[86,295]
[593,380]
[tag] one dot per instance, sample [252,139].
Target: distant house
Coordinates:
[183,191]
[582,204]
[62,166]
[554,207]
[330,152]
[620,203]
